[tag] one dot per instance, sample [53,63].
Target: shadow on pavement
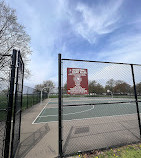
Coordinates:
[26,145]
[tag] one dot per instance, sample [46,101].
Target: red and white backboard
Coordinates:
[77,81]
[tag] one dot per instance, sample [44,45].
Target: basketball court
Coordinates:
[50,111]
[89,127]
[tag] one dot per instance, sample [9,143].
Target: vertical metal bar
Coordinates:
[21,93]
[41,96]
[15,111]
[27,99]
[33,99]
[59,106]
[136,98]
[38,97]
[10,105]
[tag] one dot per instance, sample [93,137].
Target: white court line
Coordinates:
[94,98]
[80,100]
[41,112]
[82,104]
[74,113]
[91,118]
[71,113]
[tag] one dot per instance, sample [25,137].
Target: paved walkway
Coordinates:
[37,140]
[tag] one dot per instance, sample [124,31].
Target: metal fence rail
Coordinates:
[108,116]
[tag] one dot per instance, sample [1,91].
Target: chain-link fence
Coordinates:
[17,105]
[14,98]
[5,62]
[31,97]
[107,115]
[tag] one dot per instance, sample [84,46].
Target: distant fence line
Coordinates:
[31,97]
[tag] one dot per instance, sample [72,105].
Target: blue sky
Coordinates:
[106,30]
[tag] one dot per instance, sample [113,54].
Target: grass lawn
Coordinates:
[130,151]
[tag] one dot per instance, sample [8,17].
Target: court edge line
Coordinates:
[91,99]
[41,111]
[71,113]
[65,105]
[89,118]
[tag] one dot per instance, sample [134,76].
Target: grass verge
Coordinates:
[130,151]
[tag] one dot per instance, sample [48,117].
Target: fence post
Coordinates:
[41,96]
[59,106]
[10,105]
[21,93]
[36,97]
[27,99]
[32,99]
[136,98]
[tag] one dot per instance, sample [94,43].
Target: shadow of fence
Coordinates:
[27,144]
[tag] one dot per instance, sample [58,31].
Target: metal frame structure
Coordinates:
[59,107]
[136,98]
[42,93]
[17,106]
[17,63]
[60,96]
[10,105]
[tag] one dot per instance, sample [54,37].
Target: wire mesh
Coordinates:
[11,86]
[137,70]
[107,115]
[32,97]
[4,89]
[17,105]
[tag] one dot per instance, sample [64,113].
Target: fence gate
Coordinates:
[17,106]
[5,62]
[99,105]
[12,103]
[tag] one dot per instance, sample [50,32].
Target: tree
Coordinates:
[12,35]
[38,87]
[138,87]
[92,86]
[122,87]
[47,85]
[99,89]
[65,88]
[95,87]
[110,85]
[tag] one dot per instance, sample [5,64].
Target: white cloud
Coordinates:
[123,48]
[50,24]
[42,24]
[95,21]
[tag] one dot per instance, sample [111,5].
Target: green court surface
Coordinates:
[86,111]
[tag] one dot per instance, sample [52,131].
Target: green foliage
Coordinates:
[96,88]
[130,151]
[138,87]
[3,115]
[27,102]
[3,105]
[3,101]
[131,154]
